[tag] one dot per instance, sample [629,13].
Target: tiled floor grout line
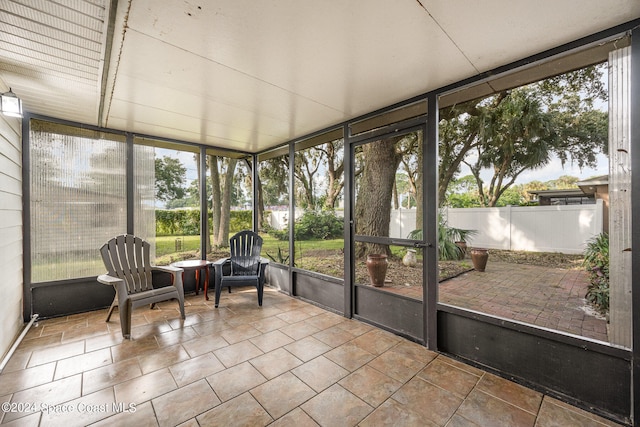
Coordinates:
[160,323]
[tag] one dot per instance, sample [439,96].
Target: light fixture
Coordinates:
[10,104]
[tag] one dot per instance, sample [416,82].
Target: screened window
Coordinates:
[78,198]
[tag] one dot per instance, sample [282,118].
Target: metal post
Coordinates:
[635,233]
[204,211]
[349,258]
[292,215]
[130,185]
[430,209]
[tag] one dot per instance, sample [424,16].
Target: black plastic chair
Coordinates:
[245,267]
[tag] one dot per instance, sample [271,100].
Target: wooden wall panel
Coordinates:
[11,228]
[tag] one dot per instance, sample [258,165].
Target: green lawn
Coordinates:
[167,245]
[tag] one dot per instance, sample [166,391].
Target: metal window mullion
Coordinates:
[292,215]
[130,185]
[635,231]
[204,211]
[430,224]
[349,254]
[254,193]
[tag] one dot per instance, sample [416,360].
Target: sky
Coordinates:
[554,169]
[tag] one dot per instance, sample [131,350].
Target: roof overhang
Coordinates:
[250,76]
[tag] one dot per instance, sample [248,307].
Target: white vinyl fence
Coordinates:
[564,229]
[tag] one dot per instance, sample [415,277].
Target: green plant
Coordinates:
[318,225]
[447,238]
[280,257]
[596,262]
[186,222]
[282,235]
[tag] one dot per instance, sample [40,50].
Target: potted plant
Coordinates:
[452,241]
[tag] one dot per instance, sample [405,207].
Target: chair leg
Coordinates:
[260,287]
[181,305]
[114,304]
[218,292]
[125,319]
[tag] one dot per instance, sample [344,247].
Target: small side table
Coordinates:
[195,265]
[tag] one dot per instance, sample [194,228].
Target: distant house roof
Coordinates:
[588,186]
[585,187]
[566,192]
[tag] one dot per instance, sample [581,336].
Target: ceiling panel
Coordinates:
[497,32]
[160,76]
[51,55]
[251,75]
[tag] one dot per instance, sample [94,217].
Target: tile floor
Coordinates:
[288,363]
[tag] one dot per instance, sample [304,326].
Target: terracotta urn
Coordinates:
[377,268]
[479,257]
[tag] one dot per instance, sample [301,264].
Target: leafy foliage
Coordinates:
[596,261]
[186,222]
[183,222]
[240,220]
[447,238]
[520,129]
[318,225]
[313,225]
[280,256]
[170,178]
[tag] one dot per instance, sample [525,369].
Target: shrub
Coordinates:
[239,220]
[312,226]
[318,225]
[186,222]
[278,234]
[177,222]
[447,238]
[596,261]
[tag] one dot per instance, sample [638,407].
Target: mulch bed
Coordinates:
[331,262]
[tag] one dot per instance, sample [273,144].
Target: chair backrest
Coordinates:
[245,253]
[127,257]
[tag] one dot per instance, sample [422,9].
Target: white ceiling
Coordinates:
[250,75]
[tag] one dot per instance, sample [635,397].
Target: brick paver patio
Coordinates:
[547,297]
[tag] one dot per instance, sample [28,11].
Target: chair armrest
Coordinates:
[105,279]
[217,270]
[119,286]
[176,272]
[220,262]
[167,269]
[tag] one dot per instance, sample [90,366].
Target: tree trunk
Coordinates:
[334,173]
[207,239]
[259,204]
[216,197]
[373,204]
[418,187]
[222,239]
